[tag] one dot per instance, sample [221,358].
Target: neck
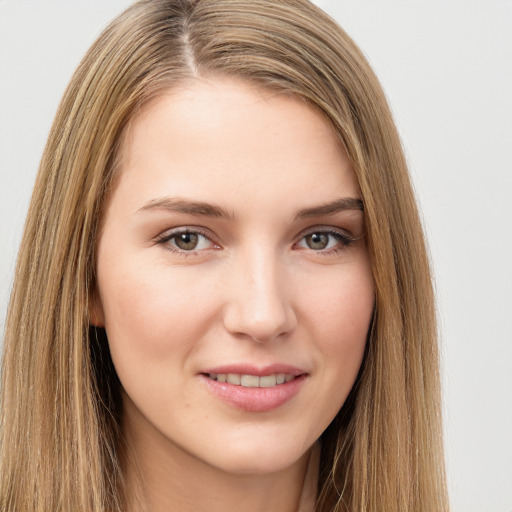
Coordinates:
[160,476]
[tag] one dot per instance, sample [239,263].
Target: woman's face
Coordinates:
[231,259]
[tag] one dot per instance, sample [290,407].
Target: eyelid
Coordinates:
[345,239]
[167,235]
[321,228]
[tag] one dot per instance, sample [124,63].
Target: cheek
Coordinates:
[154,321]
[152,313]
[341,306]
[341,310]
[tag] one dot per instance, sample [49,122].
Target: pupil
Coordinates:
[317,240]
[187,241]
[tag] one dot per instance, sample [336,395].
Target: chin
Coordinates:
[259,460]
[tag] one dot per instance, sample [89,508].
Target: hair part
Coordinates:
[61,439]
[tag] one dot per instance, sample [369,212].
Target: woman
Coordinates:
[222,297]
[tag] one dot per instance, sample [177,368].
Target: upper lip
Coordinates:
[250,369]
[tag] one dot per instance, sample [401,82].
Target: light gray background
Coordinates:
[446,66]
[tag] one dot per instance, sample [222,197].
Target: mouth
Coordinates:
[255,389]
[252,381]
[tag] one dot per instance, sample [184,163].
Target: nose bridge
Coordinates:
[259,303]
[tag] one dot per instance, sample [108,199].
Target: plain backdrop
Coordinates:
[446,67]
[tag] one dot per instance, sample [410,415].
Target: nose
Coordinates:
[258,305]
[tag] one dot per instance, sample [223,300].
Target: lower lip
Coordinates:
[256,399]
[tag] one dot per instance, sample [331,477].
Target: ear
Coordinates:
[96,314]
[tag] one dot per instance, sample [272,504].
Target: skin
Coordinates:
[254,290]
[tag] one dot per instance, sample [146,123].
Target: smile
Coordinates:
[252,381]
[255,393]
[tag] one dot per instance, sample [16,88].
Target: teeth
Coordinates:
[233,378]
[268,381]
[252,381]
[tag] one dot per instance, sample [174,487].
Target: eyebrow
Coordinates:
[188,207]
[211,210]
[336,206]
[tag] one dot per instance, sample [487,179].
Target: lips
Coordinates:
[253,389]
[252,381]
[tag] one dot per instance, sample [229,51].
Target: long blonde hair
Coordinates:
[60,436]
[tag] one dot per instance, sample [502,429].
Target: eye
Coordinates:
[325,240]
[318,241]
[186,240]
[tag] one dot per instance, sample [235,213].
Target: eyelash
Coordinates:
[344,240]
[167,237]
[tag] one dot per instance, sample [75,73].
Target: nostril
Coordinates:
[257,305]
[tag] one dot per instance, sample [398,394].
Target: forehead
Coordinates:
[228,137]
